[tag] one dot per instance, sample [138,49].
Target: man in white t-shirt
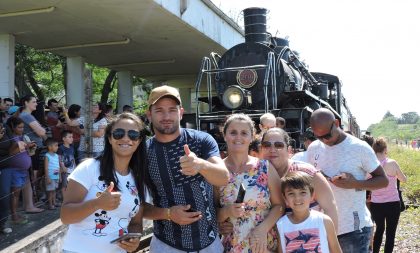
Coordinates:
[345,161]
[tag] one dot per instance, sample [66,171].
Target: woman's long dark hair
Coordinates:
[73,109]
[138,161]
[101,115]
[13,122]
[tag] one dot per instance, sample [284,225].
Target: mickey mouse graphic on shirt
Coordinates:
[101,222]
[102,219]
[101,185]
[133,191]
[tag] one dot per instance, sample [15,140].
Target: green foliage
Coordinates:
[409,118]
[409,161]
[98,77]
[388,114]
[45,68]
[397,128]
[140,102]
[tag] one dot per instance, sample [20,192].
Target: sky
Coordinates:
[372,46]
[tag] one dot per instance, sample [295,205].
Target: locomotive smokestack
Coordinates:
[255,22]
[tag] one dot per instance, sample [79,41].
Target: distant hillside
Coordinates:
[405,128]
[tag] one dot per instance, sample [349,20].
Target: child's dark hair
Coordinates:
[254,145]
[64,133]
[50,142]
[296,180]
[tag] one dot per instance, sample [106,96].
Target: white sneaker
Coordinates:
[6,230]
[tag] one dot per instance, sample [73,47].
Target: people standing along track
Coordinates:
[346,161]
[385,202]
[254,218]
[104,195]
[98,129]
[274,148]
[36,133]
[184,164]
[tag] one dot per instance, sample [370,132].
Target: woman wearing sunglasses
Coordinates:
[103,196]
[253,218]
[274,148]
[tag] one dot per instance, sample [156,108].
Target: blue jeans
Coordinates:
[356,241]
[5,184]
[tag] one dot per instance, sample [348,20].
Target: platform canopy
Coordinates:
[161,40]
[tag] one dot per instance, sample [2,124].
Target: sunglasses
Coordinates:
[326,136]
[119,133]
[277,144]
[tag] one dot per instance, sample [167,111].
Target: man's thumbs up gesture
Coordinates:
[190,163]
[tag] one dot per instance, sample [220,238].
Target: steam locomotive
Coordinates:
[262,75]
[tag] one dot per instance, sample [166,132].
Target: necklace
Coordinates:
[239,170]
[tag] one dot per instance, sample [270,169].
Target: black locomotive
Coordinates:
[264,75]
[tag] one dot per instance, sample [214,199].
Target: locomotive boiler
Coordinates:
[262,75]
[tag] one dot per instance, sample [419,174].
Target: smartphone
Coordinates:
[241,194]
[126,237]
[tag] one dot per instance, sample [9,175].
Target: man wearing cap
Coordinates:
[184,164]
[308,138]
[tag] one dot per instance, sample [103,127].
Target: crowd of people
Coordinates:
[257,197]
[39,147]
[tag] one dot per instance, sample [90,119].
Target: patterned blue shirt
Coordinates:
[170,188]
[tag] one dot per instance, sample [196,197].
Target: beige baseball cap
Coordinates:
[163,91]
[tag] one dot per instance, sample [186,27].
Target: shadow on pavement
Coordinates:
[35,222]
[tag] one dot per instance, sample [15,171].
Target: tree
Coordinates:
[38,73]
[388,114]
[409,118]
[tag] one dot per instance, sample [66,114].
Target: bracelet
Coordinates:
[168,214]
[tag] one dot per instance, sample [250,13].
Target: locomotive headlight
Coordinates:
[235,97]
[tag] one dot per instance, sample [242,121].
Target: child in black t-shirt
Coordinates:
[66,152]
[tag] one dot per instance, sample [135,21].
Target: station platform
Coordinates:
[29,236]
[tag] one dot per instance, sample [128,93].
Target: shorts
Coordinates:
[19,178]
[356,241]
[53,186]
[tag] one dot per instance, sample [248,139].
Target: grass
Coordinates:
[409,161]
[407,238]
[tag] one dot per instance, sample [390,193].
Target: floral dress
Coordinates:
[257,206]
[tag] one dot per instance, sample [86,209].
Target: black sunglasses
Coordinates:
[277,144]
[326,136]
[119,133]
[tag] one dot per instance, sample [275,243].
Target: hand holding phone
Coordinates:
[241,194]
[126,237]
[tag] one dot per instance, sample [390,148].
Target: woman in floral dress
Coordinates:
[252,220]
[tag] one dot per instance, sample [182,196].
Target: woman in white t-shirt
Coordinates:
[104,195]
[98,129]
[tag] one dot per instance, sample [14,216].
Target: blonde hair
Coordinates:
[267,116]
